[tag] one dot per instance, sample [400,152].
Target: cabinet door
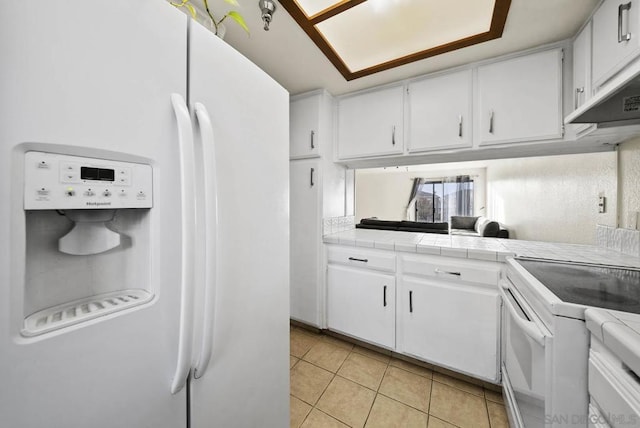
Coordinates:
[520,99]
[440,112]
[305,247]
[616,40]
[452,325]
[362,304]
[304,127]
[371,124]
[582,67]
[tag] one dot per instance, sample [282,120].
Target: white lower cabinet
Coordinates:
[442,310]
[362,303]
[452,325]
[305,178]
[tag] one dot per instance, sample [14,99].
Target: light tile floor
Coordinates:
[338,384]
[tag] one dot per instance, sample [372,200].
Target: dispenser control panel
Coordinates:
[55,181]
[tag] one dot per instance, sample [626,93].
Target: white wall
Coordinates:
[553,198]
[629,182]
[384,193]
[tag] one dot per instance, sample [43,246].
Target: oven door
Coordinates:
[526,361]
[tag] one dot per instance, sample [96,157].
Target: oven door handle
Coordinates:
[528,327]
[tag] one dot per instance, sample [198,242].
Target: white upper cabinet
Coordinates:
[582,67]
[616,38]
[304,127]
[439,110]
[520,99]
[371,123]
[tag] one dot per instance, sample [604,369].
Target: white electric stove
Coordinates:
[545,340]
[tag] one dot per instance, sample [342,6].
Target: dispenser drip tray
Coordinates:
[82,310]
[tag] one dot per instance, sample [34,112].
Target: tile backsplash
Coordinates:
[626,241]
[338,224]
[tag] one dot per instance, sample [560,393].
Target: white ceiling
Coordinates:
[291,57]
[402,28]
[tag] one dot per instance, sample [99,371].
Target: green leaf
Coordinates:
[233,2]
[185,3]
[239,19]
[192,10]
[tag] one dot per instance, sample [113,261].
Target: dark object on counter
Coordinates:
[477,226]
[403,226]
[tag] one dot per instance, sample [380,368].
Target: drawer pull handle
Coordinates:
[311,177]
[410,301]
[623,37]
[447,272]
[313,134]
[358,260]
[579,92]
[491,122]
[384,296]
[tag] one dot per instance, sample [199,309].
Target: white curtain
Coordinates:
[460,192]
[411,206]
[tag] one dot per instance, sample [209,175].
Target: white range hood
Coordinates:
[617,103]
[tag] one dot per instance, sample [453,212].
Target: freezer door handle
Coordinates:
[210,223]
[188,225]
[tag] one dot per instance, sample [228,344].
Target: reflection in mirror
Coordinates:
[550,198]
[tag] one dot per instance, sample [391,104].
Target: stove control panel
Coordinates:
[57,182]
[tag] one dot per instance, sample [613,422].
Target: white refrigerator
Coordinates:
[203,342]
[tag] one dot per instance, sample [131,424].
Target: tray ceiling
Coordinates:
[362,37]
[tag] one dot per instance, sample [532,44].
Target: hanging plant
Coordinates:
[234,15]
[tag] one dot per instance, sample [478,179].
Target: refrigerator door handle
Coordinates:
[211,237]
[188,225]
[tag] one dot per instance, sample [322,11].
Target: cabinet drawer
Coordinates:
[615,393]
[452,269]
[366,259]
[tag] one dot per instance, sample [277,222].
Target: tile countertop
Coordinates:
[619,331]
[493,249]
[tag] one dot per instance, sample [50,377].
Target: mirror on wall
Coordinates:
[550,198]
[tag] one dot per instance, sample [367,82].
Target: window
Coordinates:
[438,200]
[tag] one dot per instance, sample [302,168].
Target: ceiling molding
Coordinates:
[334,10]
[499,18]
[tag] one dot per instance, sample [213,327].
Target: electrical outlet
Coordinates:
[602,201]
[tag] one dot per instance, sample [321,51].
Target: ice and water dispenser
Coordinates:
[87,239]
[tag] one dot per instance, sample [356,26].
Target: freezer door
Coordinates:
[94,79]
[246,383]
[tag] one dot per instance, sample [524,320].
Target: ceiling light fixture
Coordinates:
[267,7]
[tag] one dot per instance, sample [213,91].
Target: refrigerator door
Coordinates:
[92,79]
[246,383]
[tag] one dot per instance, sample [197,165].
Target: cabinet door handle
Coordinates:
[384,296]
[393,135]
[460,126]
[410,301]
[359,260]
[436,270]
[491,122]
[313,134]
[579,91]
[623,37]
[311,177]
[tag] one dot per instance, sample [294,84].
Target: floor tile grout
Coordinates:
[388,363]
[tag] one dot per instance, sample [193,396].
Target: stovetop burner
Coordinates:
[609,287]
